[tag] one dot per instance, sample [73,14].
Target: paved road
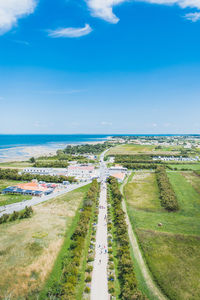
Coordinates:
[8,209]
[99,285]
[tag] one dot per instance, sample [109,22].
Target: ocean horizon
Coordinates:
[51,140]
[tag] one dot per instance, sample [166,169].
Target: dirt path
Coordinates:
[138,255]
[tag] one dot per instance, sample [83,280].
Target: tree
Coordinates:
[32,160]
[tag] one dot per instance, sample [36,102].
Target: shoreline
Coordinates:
[24,153]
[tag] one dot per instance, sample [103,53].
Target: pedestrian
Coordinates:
[100,261]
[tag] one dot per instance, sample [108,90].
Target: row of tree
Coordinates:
[23,214]
[51,164]
[66,287]
[139,166]
[167,194]
[12,174]
[87,148]
[126,275]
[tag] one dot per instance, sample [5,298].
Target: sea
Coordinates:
[12,146]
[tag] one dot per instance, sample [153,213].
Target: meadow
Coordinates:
[171,250]
[131,149]
[29,248]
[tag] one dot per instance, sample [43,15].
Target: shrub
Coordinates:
[88,279]
[87,290]
[89,269]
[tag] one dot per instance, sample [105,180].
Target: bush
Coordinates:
[23,214]
[87,290]
[89,269]
[88,279]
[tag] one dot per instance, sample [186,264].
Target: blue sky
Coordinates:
[95,67]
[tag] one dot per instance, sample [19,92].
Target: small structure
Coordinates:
[119,176]
[30,188]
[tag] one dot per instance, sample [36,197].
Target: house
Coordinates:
[30,188]
[119,176]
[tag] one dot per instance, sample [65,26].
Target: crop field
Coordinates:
[131,149]
[29,247]
[171,250]
[9,199]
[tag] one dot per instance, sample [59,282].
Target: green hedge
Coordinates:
[167,194]
[126,275]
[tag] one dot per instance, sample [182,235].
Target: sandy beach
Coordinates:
[25,153]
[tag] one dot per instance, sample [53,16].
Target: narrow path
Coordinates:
[99,285]
[138,255]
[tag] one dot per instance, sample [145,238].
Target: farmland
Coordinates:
[28,248]
[167,248]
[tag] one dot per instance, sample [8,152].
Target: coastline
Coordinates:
[26,152]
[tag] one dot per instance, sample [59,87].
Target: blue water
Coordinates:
[12,141]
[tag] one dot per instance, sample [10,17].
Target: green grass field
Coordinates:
[168,248]
[194,167]
[131,149]
[9,199]
[15,164]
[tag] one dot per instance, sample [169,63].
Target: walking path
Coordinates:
[99,285]
[10,208]
[138,255]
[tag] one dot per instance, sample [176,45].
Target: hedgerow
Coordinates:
[65,288]
[13,174]
[126,275]
[167,194]
[23,214]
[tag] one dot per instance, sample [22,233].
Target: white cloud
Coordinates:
[104,8]
[70,32]
[12,10]
[194,17]
[105,123]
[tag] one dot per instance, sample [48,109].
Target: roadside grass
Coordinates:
[29,248]
[175,240]
[10,199]
[131,149]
